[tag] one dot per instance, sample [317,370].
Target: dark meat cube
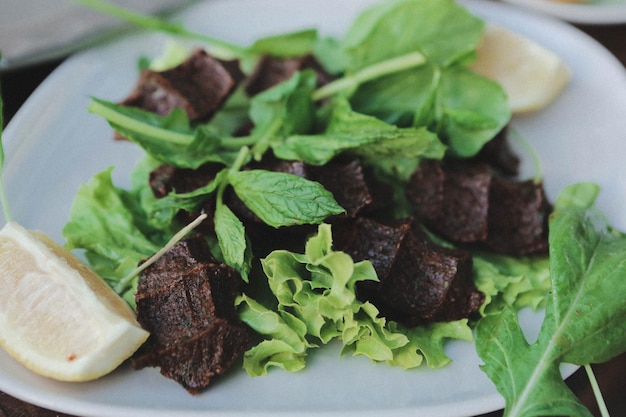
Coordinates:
[165,179]
[438,288]
[420,282]
[518,217]
[186,301]
[271,71]
[200,86]
[453,201]
[352,185]
[470,203]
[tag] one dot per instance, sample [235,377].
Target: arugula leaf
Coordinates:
[163,210]
[281,199]
[584,316]
[217,47]
[286,45]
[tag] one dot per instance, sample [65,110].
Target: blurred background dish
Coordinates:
[33,31]
[595,12]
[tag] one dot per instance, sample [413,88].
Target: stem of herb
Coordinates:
[604,411]
[380,69]
[133,125]
[218,47]
[124,282]
[241,159]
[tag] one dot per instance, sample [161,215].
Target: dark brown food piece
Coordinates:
[518,217]
[270,71]
[452,200]
[199,86]
[470,203]
[353,186]
[186,301]
[420,282]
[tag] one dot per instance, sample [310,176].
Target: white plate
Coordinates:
[590,11]
[33,31]
[53,145]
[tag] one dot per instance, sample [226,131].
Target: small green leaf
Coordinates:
[231,237]
[169,139]
[292,44]
[281,199]
[367,136]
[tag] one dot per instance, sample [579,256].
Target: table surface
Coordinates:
[17,85]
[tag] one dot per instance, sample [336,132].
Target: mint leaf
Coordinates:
[231,237]
[584,316]
[285,109]
[281,199]
[367,136]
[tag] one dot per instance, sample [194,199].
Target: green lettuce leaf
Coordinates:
[316,303]
[105,223]
[511,281]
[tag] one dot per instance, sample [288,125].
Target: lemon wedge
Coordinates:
[531,75]
[57,317]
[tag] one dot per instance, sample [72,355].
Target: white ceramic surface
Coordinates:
[53,145]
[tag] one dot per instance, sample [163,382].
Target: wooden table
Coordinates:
[19,84]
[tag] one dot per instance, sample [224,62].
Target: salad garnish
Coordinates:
[394,103]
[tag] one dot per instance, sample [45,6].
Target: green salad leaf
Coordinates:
[347,131]
[315,302]
[281,199]
[464,109]
[104,222]
[584,320]
[169,139]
